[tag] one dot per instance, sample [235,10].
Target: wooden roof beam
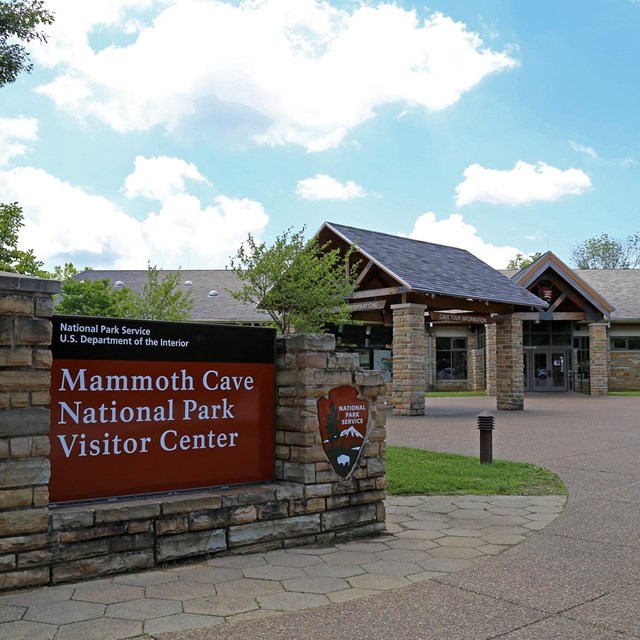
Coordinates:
[375,293]
[365,272]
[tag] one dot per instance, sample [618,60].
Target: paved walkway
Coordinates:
[426,538]
[578,577]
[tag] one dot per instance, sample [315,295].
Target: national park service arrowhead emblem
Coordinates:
[343,421]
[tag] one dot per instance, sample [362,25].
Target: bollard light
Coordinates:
[485,426]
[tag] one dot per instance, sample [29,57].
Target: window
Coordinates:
[581,372]
[619,343]
[545,333]
[451,358]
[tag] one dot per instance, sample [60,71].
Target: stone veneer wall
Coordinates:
[307,503]
[598,358]
[26,306]
[624,371]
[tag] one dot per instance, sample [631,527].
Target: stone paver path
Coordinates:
[426,537]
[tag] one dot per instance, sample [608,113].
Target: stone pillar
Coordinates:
[509,363]
[409,359]
[598,359]
[431,379]
[26,306]
[475,363]
[307,368]
[490,360]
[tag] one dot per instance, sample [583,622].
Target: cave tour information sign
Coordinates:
[141,407]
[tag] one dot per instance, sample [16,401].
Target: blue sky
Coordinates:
[167,130]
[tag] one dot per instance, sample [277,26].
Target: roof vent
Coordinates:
[213,293]
[188,283]
[118,284]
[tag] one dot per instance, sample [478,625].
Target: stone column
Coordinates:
[490,360]
[598,359]
[409,359]
[475,363]
[430,368]
[509,363]
[26,306]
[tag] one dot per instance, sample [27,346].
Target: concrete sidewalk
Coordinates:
[578,577]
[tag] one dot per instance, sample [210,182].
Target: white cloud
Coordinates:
[66,223]
[312,71]
[185,232]
[455,232]
[523,184]
[590,152]
[159,177]
[324,187]
[13,131]
[593,155]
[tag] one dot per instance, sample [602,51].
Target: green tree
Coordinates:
[521,261]
[11,258]
[92,298]
[161,299]
[20,21]
[96,298]
[605,252]
[301,285]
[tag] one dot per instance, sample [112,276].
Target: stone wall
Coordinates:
[26,306]
[307,503]
[624,371]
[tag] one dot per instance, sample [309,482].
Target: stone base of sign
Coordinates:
[307,503]
[82,542]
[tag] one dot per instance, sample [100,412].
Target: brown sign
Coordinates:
[370,305]
[466,318]
[343,421]
[145,407]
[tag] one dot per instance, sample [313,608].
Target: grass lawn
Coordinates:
[624,393]
[413,471]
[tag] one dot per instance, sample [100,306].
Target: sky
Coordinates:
[166,131]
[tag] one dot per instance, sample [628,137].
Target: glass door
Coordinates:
[548,371]
[540,372]
[557,365]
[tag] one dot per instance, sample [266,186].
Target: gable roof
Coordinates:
[218,308]
[622,287]
[433,268]
[527,276]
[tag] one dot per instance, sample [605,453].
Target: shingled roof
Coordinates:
[434,268]
[621,288]
[206,308]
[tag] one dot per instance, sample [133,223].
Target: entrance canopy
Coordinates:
[569,296]
[401,270]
